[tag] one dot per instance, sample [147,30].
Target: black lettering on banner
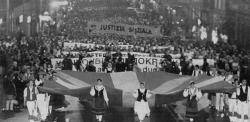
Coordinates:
[97,61]
[99,54]
[154,62]
[85,61]
[123,28]
[130,29]
[148,61]
[99,69]
[149,31]
[101,28]
[147,69]
[141,60]
[108,27]
[136,60]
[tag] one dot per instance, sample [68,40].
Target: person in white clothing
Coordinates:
[141,107]
[29,95]
[42,99]
[232,107]
[197,72]
[193,95]
[243,97]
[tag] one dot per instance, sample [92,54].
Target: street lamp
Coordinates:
[20,18]
[28,19]
[1,21]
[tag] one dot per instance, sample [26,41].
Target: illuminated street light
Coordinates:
[199,22]
[56,4]
[20,18]
[1,21]
[46,13]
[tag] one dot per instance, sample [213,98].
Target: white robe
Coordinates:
[141,108]
[243,107]
[232,107]
[43,105]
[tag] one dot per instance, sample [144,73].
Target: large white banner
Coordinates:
[146,64]
[71,45]
[123,29]
[136,54]
[143,60]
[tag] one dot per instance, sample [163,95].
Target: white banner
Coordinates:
[144,62]
[71,45]
[123,29]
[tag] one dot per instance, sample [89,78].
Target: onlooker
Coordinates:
[91,67]
[10,91]
[197,72]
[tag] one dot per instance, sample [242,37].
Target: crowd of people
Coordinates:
[29,58]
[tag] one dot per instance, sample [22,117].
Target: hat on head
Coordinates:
[191,82]
[142,83]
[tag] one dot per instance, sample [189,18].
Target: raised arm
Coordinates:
[24,96]
[92,91]
[185,92]
[248,95]
[149,94]
[135,93]
[198,93]
[36,90]
[105,95]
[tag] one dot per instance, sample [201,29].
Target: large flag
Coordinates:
[167,87]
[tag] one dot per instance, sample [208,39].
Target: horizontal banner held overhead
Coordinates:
[123,29]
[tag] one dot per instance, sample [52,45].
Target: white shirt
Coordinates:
[38,82]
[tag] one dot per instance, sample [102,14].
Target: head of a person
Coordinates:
[205,59]
[31,83]
[40,76]
[196,67]
[99,81]
[142,85]
[191,83]
[91,63]
[244,82]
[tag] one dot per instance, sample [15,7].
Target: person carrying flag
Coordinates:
[100,99]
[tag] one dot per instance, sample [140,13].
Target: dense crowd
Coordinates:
[27,58]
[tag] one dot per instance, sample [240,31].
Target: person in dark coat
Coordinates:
[120,65]
[67,63]
[10,91]
[91,67]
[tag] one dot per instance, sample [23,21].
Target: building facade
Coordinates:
[237,23]
[3,15]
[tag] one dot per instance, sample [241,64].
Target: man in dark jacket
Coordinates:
[91,67]
[10,91]
[67,63]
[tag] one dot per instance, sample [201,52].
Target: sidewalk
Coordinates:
[14,117]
